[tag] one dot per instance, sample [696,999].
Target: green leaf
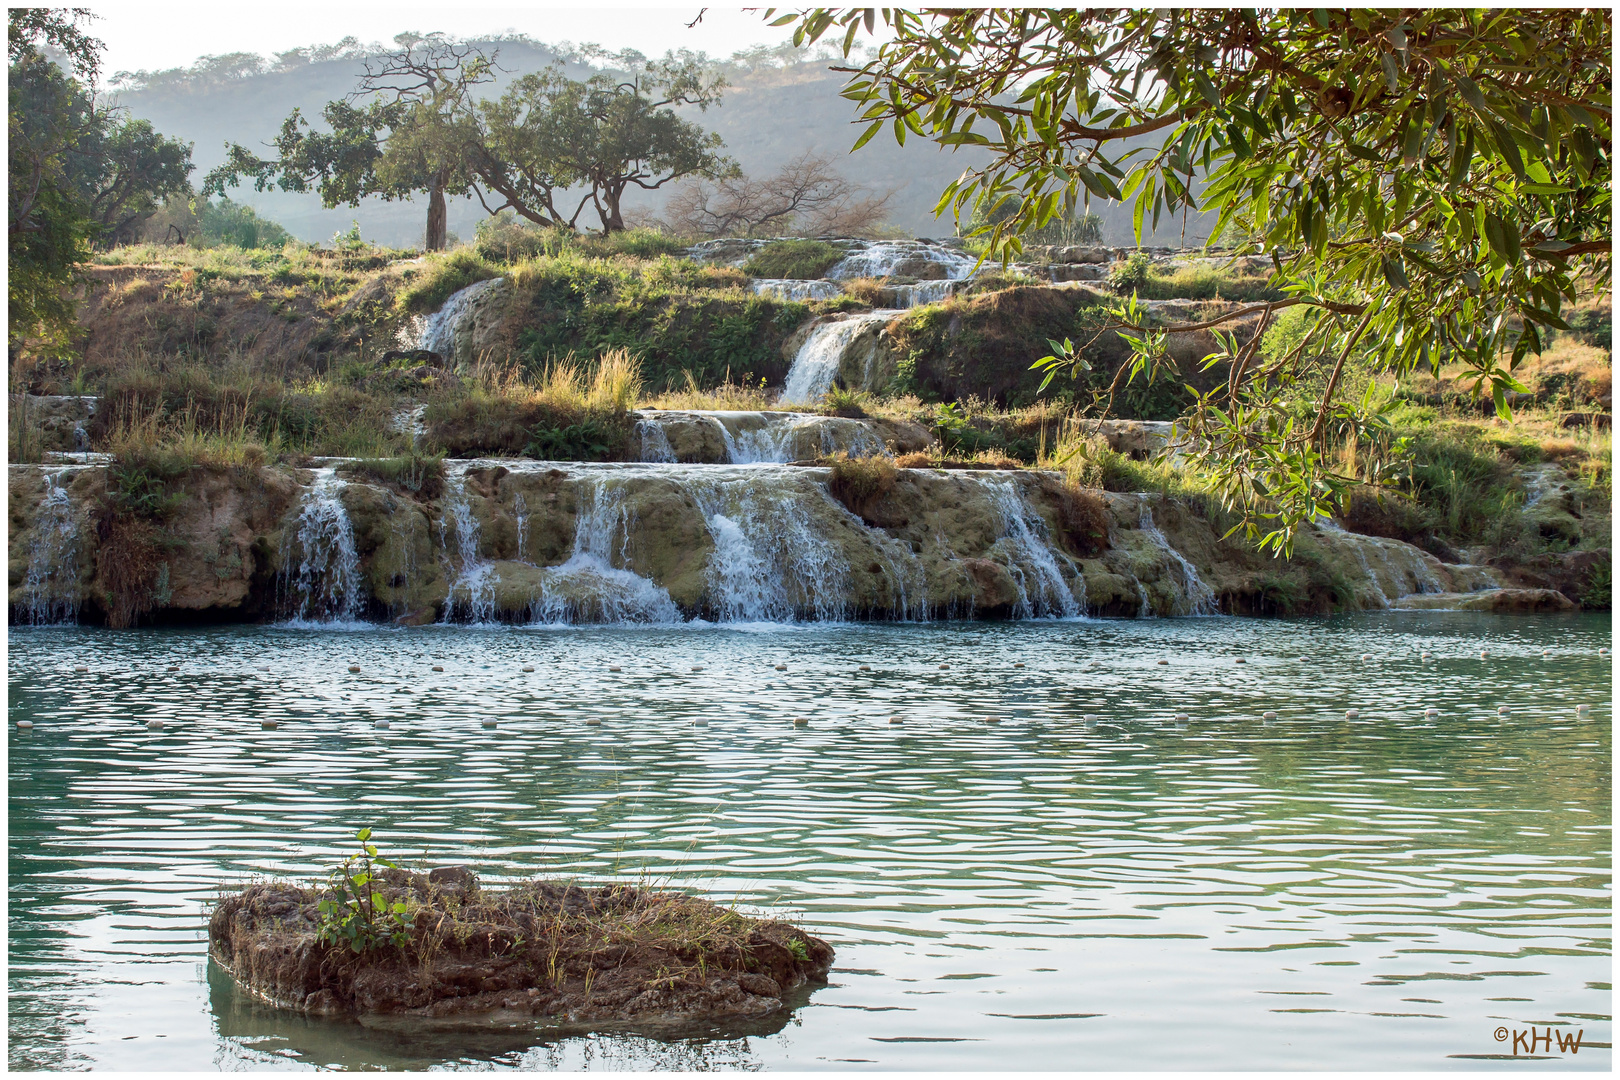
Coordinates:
[1500,398]
[363,834]
[866,137]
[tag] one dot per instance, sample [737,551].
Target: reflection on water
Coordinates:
[1374,893]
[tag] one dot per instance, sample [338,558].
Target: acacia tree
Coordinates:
[398,133]
[1428,183]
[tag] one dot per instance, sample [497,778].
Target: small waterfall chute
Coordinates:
[325,577]
[437,332]
[1197,597]
[472,578]
[51,583]
[1023,548]
[794,289]
[816,364]
[589,587]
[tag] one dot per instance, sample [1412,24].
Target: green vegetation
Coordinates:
[356,914]
[413,124]
[800,260]
[1432,183]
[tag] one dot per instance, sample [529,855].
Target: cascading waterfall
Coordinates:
[655,442]
[438,331]
[520,514]
[815,366]
[51,586]
[589,588]
[1405,566]
[326,577]
[472,578]
[1023,549]
[880,259]
[800,290]
[770,564]
[1199,598]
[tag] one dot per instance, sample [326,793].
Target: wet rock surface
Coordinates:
[537,953]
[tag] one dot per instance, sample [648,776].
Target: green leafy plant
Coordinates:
[357,914]
[1130,275]
[800,951]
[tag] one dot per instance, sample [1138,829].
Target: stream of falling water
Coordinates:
[815,366]
[589,587]
[472,577]
[326,577]
[52,578]
[1043,590]
[1198,597]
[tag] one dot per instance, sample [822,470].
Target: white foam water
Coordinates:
[1023,548]
[472,578]
[438,331]
[816,364]
[326,575]
[793,289]
[51,583]
[1197,597]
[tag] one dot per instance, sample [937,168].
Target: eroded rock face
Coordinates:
[536,952]
[644,543]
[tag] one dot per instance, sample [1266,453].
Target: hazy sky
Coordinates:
[154,36]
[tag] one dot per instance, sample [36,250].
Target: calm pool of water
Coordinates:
[1377,893]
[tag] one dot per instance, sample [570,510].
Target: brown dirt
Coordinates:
[538,952]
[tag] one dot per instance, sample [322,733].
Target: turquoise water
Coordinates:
[1320,892]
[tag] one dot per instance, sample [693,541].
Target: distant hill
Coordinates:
[779,105]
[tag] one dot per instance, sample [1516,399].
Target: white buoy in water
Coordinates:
[175,667]
[1366,656]
[24,725]
[380,724]
[354,669]
[438,667]
[529,668]
[1269,715]
[697,667]
[81,670]
[1018,665]
[1503,710]
[801,721]
[700,722]
[781,667]
[1583,708]
[1163,663]
[1240,660]
[1182,718]
[155,724]
[593,721]
[1351,714]
[488,721]
[1603,652]
[866,667]
[1181,721]
[897,719]
[1546,652]
[1427,656]
[615,668]
[265,668]
[1091,720]
[1431,711]
[992,719]
[1483,654]
[944,667]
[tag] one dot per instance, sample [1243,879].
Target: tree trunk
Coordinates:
[612,221]
[437,224]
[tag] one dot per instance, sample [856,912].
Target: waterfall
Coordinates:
[588,588]
[1200,598]
[924,292]
[472,578]
[520,513]
[438,332]
[770,563]
[815,366]
[327,574]
[792,289]
[880,259]
[1023,549]
[51,587]
[654,442]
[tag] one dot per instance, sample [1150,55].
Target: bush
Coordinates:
[1082,517]
[850,404]
[1130,274]
[442,277]
[798,259]
[413,473]
[565,415]
[857,480]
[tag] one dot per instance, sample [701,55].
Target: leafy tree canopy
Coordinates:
[1428,183]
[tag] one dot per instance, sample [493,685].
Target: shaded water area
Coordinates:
[1042,893]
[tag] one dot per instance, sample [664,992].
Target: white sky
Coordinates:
[155,36]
